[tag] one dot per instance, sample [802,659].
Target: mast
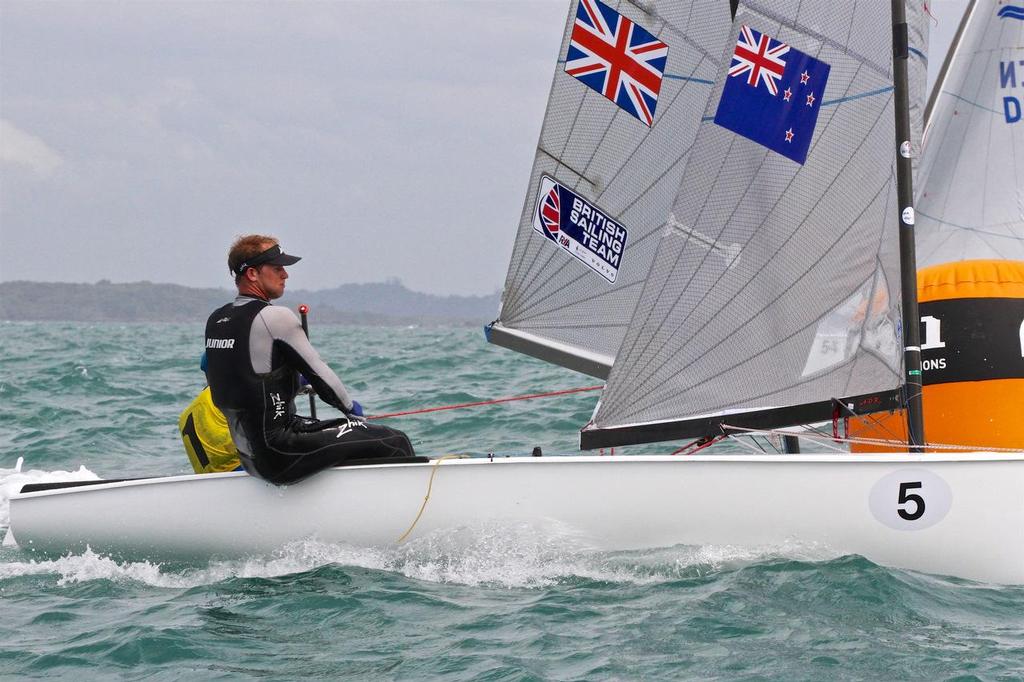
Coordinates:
[908,256]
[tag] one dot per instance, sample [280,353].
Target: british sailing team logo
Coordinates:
[580,228]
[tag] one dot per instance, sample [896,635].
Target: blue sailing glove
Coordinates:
[357,409]
[304,385]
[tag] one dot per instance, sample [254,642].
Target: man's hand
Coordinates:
[357,409]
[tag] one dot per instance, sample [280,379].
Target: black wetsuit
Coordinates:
[255,352]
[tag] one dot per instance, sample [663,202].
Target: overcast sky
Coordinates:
[376,139]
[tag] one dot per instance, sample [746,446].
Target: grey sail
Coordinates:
[775,290]
[970,190]
[607,169]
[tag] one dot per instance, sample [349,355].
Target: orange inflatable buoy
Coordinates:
[972,357]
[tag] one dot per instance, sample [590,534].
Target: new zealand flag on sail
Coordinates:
[616,57]
[772,94]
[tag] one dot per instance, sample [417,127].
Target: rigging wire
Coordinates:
[487,402]
[811,432]
[871,441]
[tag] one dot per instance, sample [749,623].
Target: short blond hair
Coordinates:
[246,247]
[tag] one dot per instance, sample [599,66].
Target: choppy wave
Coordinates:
[479,602]
[526,555]
[482,564]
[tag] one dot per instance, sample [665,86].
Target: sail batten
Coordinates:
[556,158]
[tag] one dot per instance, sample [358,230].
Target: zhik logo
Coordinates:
[348,426]
[278,405]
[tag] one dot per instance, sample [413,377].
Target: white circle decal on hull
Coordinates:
[910,499]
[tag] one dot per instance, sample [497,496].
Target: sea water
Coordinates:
[487,602]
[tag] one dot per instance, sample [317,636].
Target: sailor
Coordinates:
[255,354]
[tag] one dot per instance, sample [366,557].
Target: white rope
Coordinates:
[829,441]
[746,444]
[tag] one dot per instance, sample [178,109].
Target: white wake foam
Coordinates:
[525,556]
[11,481]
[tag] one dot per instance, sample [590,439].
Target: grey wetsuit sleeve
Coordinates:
[279,324]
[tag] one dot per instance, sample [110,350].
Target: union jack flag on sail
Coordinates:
[617,57]
[759,56]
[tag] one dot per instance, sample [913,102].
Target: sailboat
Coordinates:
[766,288]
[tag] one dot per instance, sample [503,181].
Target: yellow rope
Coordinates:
[430,485]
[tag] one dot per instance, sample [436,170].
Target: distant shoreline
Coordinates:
[375,304]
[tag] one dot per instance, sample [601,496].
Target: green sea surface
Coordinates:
[497,603]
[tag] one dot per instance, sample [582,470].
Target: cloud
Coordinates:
[180,124]
[25,149]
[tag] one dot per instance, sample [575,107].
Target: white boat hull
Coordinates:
[971,523]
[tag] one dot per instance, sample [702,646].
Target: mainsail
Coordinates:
[774,296]
[970,202]
[624,108]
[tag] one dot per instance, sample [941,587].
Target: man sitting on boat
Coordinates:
[255,353]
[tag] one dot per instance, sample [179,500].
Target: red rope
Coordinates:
[697,445]
[487,402]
